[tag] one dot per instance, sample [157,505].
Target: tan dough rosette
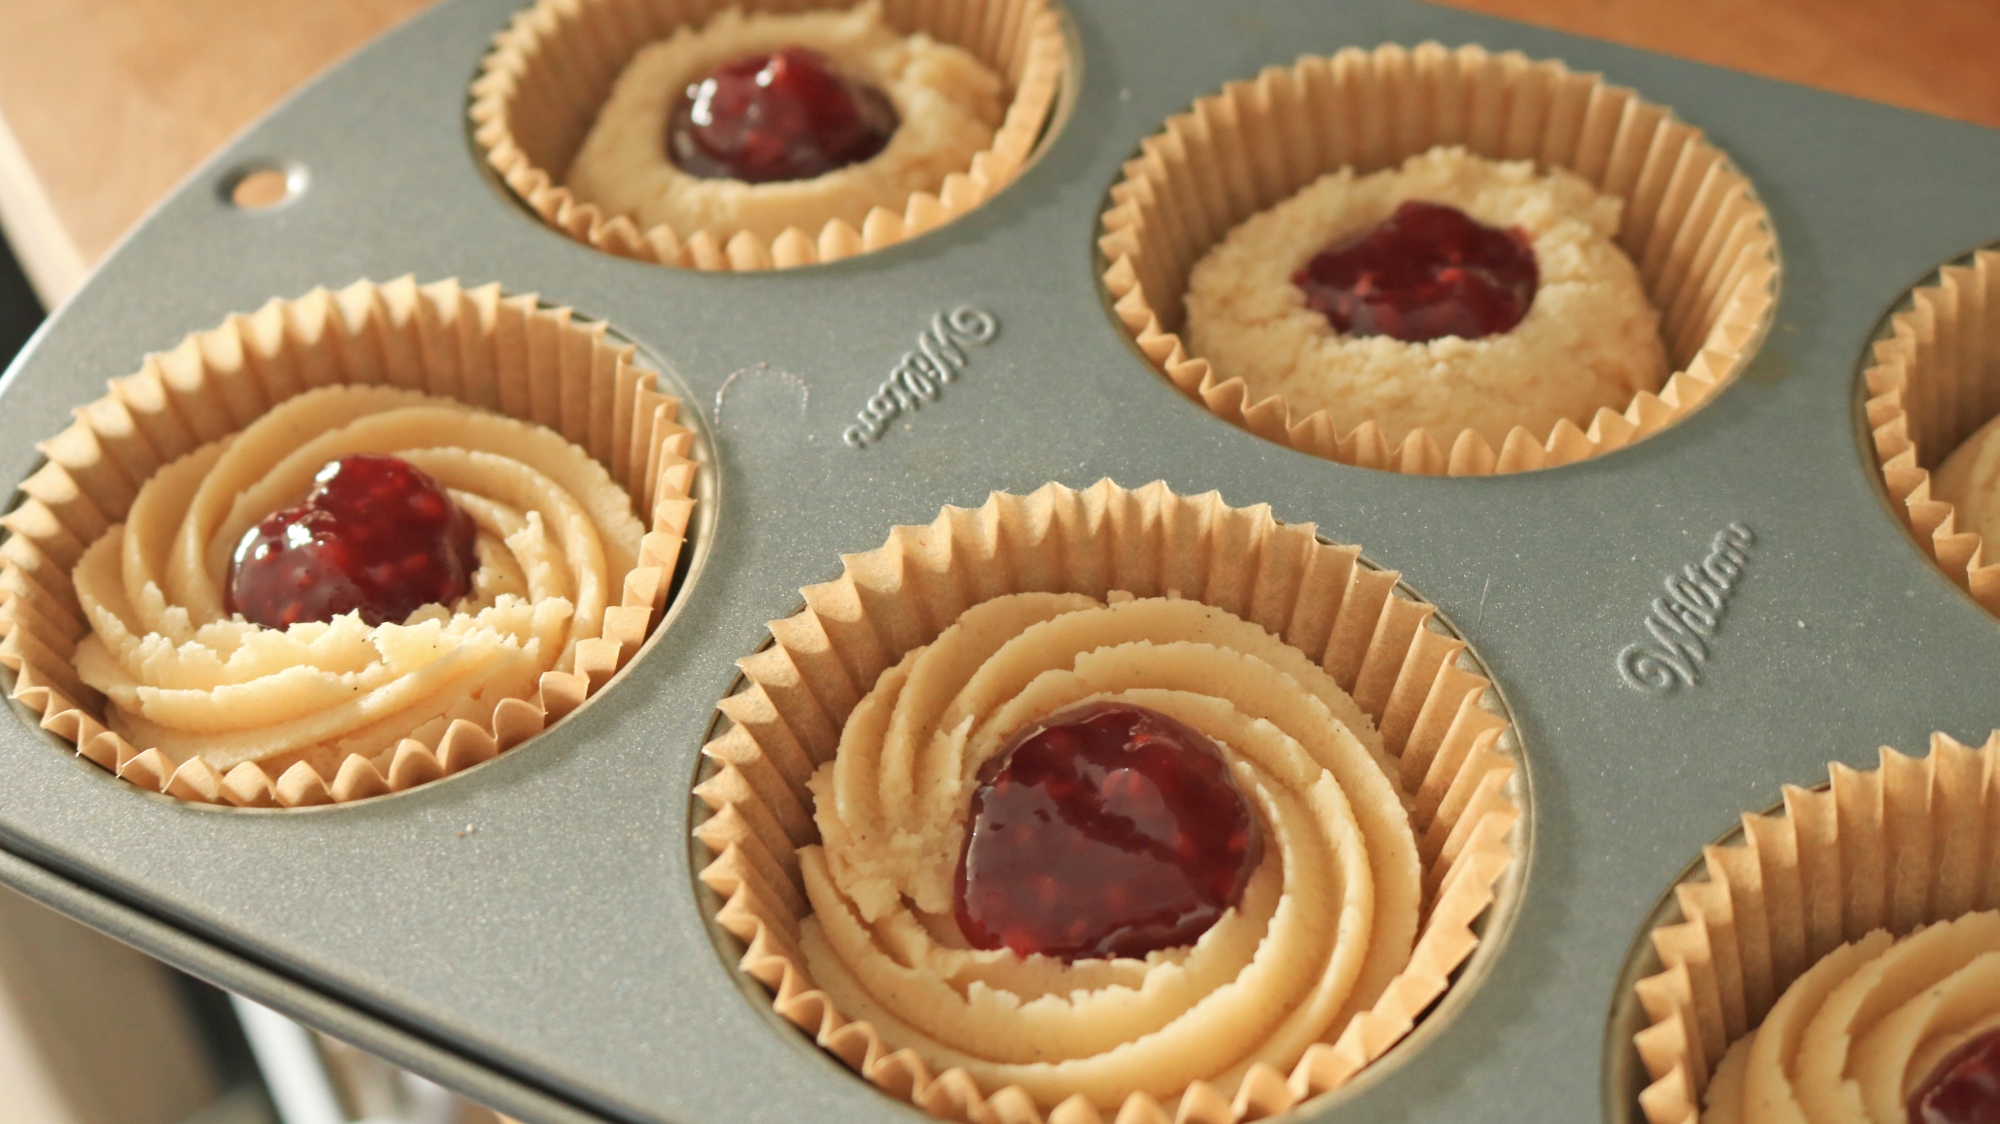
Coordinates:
[1372,757]
[570,110]
[1836,954]
[1327,920]
[1851,1039]
[1690,222]
[1933,396]
[125,645]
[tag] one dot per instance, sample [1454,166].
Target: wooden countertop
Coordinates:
[106,104]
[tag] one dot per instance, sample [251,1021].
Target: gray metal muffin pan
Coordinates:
[530,932]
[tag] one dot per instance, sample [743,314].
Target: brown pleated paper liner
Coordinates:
[1934,381]
[500,353]
[1436,715]
[540,89]
[1693,225]
[1908,843]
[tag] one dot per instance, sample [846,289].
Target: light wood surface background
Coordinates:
[106,104]
[91,1032]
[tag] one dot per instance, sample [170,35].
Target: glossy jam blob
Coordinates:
[1103,830]
[1964,1088]
[1427,272]
[375,534]
[783,116]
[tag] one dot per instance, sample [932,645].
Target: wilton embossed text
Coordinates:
[1682,624]
[921,375]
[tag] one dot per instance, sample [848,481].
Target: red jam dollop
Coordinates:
[1427,272]
[375,534]
[1964,1088]
[1104,830]
[782,116]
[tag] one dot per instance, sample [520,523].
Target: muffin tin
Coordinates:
[531,932]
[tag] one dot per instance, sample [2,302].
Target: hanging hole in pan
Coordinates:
[264,185]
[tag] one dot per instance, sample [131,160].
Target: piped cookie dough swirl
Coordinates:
[1840,964]
[556,538]
[345,545]
[1327,921]
[1110,802]
[1866,1028]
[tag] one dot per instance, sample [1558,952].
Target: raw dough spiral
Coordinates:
[1853,1037]
[556,540]
[1328,921]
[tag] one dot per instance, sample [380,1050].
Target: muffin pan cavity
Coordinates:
[1933,381]
[553,68]
[1890,850]
[1443,725]
[400,347]
[1692,223]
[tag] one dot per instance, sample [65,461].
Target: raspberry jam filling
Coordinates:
[1964,1088]
[1427,272]
[1104,830]
[782,116]
[374,534]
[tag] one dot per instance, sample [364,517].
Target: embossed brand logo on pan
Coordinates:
[1682,624]
[921,374]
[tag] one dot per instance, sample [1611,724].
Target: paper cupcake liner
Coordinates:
[1911,842]
[500,353]
[1693,225]
[1437,715]
[1934,381]
[539,91]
